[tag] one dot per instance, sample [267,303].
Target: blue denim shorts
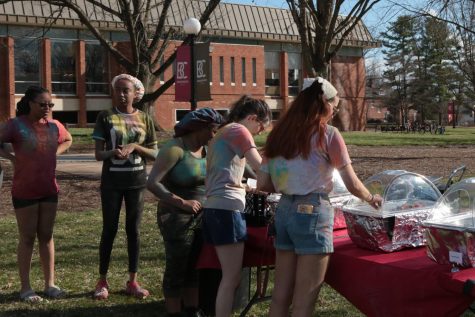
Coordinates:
[222,227]
[304,224]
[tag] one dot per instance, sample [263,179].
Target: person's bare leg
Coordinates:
[230,257]
[310,273]
[285,266]
[27,221]
[46,218]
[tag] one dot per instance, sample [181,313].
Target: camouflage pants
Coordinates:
[182,238]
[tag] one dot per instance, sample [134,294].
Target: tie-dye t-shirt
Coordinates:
[225,168]
[118,129]
[35,145]
[300,176]
[187,178]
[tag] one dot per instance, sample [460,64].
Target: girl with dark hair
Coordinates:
[177,179]
[299,157]
[36,141]
[223,221]
[124,139]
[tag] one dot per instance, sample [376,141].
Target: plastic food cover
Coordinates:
[451,231]
[338,197]
[408,199]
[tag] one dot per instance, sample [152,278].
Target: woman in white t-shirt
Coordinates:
[299,157]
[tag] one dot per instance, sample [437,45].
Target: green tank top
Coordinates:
[187,178]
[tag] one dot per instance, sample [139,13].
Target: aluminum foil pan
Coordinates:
[390,233]
[452,241]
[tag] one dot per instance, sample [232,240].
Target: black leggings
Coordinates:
[111,204]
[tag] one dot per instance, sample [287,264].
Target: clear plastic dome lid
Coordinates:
[457,206]
[339,188]
[401,191]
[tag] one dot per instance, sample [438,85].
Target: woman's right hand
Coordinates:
[376,201]
[191,206]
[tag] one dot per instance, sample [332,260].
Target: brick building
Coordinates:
[254,50]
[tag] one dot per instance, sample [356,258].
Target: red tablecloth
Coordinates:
[404,283]
[258,251]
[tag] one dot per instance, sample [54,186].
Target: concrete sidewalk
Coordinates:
[83,164]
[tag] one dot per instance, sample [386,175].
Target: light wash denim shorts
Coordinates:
[304,224]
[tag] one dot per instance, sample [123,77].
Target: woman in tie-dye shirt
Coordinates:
[124,140]
[300,154]
[223,221]
[36,141]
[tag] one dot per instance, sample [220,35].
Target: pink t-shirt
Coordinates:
[225,168]
[300,176]
[35,146]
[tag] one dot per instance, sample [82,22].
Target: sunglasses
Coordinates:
[45,104]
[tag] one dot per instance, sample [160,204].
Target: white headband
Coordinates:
[328,90]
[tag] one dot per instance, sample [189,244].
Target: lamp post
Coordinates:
[192,27]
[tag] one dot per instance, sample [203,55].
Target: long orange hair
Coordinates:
[292,134]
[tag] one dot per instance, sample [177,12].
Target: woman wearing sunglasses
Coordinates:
[36,141]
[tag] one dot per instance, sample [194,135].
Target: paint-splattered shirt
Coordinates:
[300,176]
[35,145]
[187,177]
[119,129]
[225,168]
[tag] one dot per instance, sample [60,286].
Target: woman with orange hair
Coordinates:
[299,157]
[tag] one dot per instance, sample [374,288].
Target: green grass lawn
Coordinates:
[77,237]
[457,136]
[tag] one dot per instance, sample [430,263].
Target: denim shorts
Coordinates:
[222,227]
[304,224]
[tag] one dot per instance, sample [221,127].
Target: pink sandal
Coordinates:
[134,289]
[102,290]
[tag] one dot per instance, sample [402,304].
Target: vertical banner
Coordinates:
[450,111]
[183,74]
[201,71]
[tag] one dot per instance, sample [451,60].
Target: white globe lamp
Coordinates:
[192,26]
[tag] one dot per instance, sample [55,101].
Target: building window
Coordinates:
[27,65]
[294,62]
[180,113]
[272,69]
[221,70]
[97,70]
[63,67]
[254,72]
[233,73]
[223,112]
[211,70]
[243,71]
